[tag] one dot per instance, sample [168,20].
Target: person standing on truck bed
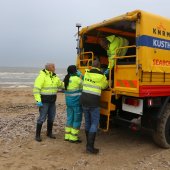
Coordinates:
[45,94]
[94,82]
[73,89]
[110,44]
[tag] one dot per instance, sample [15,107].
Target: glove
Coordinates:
[79,73]
[61,90]
[107,72]
[39,104]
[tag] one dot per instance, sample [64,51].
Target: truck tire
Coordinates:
[161,135]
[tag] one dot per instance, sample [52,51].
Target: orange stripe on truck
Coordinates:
[127,83]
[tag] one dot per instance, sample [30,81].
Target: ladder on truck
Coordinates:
[106,106]
[106,97]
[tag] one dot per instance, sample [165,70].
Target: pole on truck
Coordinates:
[78,25]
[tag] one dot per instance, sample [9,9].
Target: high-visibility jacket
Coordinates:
[94,82]
[46,86]
[114,43]
[73,92]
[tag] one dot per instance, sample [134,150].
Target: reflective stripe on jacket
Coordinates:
[73,92]
[94,82]
[46,86]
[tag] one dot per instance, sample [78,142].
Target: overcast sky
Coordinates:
[34,32]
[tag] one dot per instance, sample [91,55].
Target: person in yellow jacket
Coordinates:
[73,89]
[45,93]
[94,83]
[110,44]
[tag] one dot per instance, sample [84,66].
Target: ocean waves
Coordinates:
[15,77]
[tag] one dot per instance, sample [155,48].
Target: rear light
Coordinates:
[154,102]
[150,102]
[131,101]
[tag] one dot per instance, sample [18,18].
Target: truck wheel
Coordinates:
[161,135]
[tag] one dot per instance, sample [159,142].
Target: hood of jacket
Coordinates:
[110,38]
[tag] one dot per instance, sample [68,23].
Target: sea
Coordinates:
[22,77]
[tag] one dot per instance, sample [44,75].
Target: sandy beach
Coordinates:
[120,149]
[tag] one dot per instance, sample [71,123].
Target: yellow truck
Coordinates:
[139,83]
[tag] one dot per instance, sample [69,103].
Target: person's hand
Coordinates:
[61,90]
[39,104]
[107,72]
[79,73]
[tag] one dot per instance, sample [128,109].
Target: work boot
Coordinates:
[75,141]
[49,130]
[90,144]
[87,134]
[38,132]
[74,136]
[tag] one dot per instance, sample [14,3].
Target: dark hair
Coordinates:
[96,63]
[104,43]
[71,70]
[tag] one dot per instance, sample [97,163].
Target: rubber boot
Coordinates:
[90,144]
[49,130]
[87,133]
[76,141]
[74,136]
[38,132]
